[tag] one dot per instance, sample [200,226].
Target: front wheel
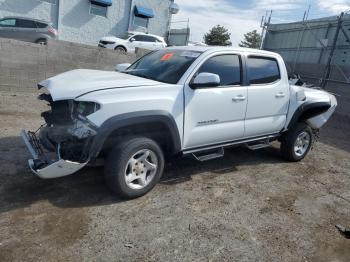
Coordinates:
[121,49]
[134,167]
[297,142]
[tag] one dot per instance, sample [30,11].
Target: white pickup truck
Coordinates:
[180,100]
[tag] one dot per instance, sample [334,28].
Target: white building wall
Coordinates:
[29,8]
[76,24]
[160,23]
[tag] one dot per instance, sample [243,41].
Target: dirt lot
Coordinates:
[248,206]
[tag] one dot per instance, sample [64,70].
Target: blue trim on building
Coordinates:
[102,2]
[143,12]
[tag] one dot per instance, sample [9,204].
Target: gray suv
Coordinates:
[24,29]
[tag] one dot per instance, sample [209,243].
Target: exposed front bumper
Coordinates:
[43,165]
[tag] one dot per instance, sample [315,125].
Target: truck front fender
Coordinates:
[135,118]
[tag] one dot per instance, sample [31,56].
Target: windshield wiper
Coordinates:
[147,77]
[140,75]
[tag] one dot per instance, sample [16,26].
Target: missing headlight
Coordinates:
[86,108]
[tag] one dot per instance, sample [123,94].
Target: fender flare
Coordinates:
[311,109]
[142,117]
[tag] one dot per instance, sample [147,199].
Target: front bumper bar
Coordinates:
[48,168]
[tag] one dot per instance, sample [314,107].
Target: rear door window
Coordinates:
[263,70]
[41,25]
[149,39]
[228,67]
[26,23]
[11,22]
[139,38]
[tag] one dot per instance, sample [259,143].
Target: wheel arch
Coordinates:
[159,125]
[41,38]
[119,45]
[308,110]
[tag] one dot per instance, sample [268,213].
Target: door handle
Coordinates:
[280,95]
[238,98]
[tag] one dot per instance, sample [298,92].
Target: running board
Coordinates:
[209,156]
[230,144]
[262,144]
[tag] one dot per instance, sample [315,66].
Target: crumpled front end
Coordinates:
[61,146]
[320,96]
[43,165]
[318,121]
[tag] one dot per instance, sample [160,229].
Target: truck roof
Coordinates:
[222,48]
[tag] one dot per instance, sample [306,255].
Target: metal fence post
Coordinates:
[329,61]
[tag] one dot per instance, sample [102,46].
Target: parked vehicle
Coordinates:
[29,30]
[181,100]
[140,40]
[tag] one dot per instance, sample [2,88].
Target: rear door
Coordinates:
[8,28]
[152,43]
[27,30]
[268,95]
[215,115]
[139,41]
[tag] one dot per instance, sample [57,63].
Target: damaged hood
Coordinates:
[317,95]
[72,84]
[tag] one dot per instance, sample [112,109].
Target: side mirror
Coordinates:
[132,39]
[204,80]
[122,67]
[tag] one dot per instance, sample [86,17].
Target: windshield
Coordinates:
[166,66]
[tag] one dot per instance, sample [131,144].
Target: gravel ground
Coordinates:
[248,206]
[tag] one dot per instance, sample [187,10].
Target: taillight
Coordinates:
[53,31]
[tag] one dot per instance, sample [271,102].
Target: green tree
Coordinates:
[218,35]
[251,39]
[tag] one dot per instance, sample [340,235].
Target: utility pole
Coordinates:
[306,14]
[264,24]
[329,61]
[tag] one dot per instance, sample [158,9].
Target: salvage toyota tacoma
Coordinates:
[176,101]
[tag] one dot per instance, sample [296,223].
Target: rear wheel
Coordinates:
[297,142]
[134,167]
[41,41]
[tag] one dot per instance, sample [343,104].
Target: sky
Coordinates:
[241,16]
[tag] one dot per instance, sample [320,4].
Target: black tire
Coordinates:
[117,162]
[289,140]
[120,49]
[41,41]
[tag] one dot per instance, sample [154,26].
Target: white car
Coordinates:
[176,101]
[140,40]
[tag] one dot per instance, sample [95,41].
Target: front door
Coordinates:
[8,28]
[216,115]
[268,94]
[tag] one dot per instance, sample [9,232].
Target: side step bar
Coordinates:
[262,144]
[209,155]
[253,140]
